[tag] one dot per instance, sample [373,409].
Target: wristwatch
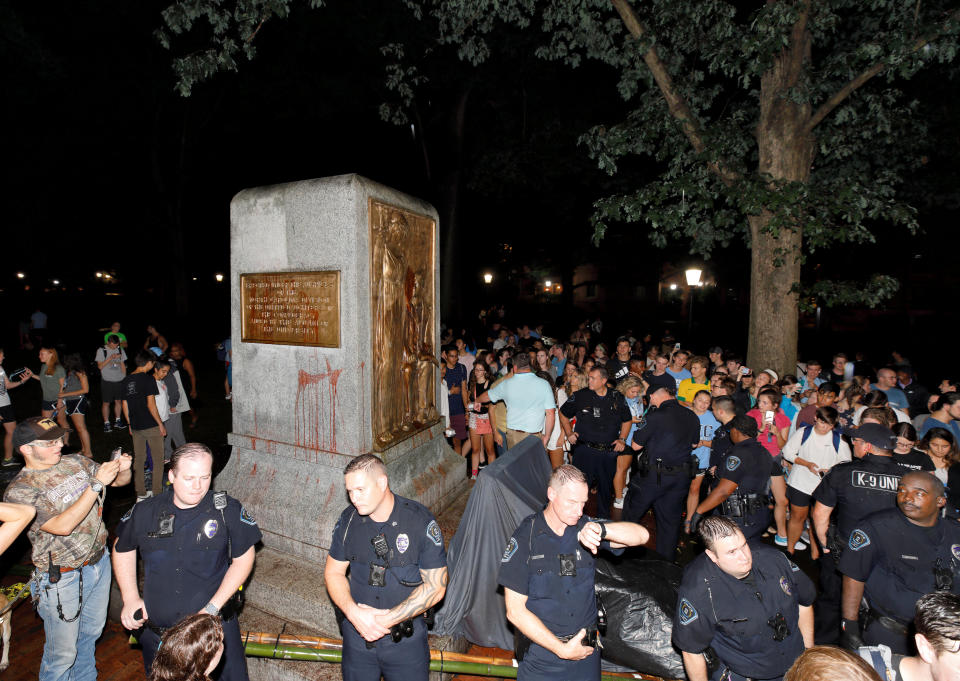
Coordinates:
[211,609]
[96,486]
[603,530]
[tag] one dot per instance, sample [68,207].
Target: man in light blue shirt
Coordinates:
[531,409]
[677,368]
[887,383]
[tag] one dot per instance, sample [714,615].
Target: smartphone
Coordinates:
[676,346]
[821,474]
[17,374]
[744,371]
[116,453]
[768,416]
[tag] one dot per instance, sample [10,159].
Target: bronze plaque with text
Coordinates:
[291,308]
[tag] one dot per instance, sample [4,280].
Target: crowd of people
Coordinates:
[856,464]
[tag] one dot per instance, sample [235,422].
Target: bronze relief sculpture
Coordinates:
[404,344]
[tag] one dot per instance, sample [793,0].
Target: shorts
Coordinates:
[480,424]
[46,405]
[777,470]
[77,405]
[797,498]
[7,414]
[459,424]
[111,391]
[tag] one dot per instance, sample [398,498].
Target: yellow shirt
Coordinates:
[688,389]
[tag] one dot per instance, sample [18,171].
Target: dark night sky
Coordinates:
[103,157]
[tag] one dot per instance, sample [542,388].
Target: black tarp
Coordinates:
[638,589]
[506,492]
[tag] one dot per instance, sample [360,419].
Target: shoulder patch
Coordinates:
[785,585]
[246,517]
[127,515]
[955,550]
[511,549]
[733,463]
[688,613]
[858,539]
[434,534]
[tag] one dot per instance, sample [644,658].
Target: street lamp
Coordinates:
[673,287]
[20,275]
[487,278]
[693,279]
[219,276]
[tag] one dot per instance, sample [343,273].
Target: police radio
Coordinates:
[942,577]
[378,573]
[779,625]
[568,564]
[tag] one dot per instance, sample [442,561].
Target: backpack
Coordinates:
[808,430]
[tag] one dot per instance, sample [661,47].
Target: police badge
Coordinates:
[403,543]
[210,528]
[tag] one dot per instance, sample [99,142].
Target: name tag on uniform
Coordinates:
[909,557]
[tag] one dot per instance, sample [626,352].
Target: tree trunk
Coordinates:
[786,153]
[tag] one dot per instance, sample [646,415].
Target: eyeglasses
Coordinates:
[48,444]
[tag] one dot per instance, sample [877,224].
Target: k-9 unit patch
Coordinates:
[688,613]
[510,550]
[858,539]
[733,463]
[434,534]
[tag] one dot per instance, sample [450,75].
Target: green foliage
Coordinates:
[871,293]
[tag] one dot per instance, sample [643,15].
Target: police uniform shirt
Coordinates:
[414,542]
[749,465]
[183,571]
[858,488]
[598,418]
[731,615]
[531,566]
[671,432]
[896,560]
[722,444]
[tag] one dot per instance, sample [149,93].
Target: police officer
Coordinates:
[743,476]
[743,611]
[666,466]
[603,423]
[856,489]
[198,549]
[547,571]
[895,557]
[398,570]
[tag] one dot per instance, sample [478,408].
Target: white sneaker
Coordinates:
[799,546]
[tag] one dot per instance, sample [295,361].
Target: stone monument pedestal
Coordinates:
[306,402]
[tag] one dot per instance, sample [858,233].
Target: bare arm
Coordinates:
[695,665]
[850,600]
[717,496]
[152,407]
[619,534]
[805,624]
[125,571]
[84,388]
[15,519]
[362,617]
[188,367]
[424,596]
[236,575]
[534,629]
[66,521]
[821,523]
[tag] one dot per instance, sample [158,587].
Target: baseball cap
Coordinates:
[36,428]
[879,436]
[716,349]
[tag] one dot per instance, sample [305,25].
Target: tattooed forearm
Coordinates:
[424,596]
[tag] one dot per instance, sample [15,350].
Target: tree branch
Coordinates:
[679,108]
[869,73]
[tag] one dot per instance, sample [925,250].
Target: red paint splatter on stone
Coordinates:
[316,409]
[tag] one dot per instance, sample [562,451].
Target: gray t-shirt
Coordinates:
[4,395]
[50,385]
[112,372]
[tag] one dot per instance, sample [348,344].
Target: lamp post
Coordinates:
[693,279]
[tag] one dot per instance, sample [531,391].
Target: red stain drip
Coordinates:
[316,409]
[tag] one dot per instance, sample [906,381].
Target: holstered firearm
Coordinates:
[643,464]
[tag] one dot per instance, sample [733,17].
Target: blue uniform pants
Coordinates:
[406,660]
[826,629]
[876,634]
[599,467]
[233,666]
[733,676]
[539,664]
[667,500]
